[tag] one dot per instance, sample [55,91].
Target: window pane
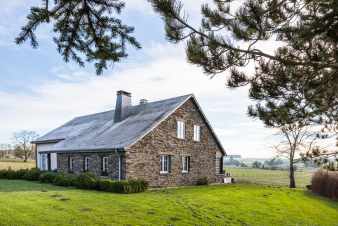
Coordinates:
[197,133]
[185,163]
[105,164]
[180,129]
[164,163]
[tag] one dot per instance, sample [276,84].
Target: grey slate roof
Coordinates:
[99,132]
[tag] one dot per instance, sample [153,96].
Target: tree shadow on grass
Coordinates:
[23,186]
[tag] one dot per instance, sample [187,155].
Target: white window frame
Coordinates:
[105,165]
[164,164]
[43,161]
[197,133]
[185,164]
[86,163]
[71,163]
[180,129]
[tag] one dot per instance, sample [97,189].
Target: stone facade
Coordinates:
[95,163]
[142,160]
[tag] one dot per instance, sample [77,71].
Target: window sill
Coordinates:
[164,173]
[185,172]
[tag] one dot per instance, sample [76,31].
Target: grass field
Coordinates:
[30,203]
[16,164]
[268,177]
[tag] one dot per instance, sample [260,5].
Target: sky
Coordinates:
[39,91]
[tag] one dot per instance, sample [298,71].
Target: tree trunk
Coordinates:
[292,176]
[25,155]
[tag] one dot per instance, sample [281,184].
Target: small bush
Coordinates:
[135,186]
[11,174]
[47,177]
[105,185]
[3,174]
[126,187]
[325,183]
[65,180]
[32,174]
[86,181]
[202,181]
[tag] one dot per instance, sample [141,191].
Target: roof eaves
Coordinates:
[46,141]
[87,150]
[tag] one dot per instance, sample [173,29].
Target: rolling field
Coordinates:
[15,165]
[30,203]
[268,177]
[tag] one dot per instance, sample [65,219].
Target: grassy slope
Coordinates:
[23,203]
[268,177]
[16,164]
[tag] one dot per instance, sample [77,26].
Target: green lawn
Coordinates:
[14,164]
[31,203]
[269,177]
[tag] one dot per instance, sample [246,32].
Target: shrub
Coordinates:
[32,174]
[11,174]
[19,174]
[105,185]
[135,186]
[47,177]
[83,181]
[127,187]
[3,174]
[86,181]
[66,180]
[325,183]
[202,181]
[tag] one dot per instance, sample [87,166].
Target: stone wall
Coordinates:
[143,158]
[95,163]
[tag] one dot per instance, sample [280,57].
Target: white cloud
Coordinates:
[74,93]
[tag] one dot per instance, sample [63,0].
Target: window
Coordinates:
[165,162]
[70,164]
[104,165]
[220,166]
[43,161]
[180,129]
[185,164]
[197,133]
[86,164]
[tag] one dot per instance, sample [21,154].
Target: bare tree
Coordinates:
[298,139]
[22,141]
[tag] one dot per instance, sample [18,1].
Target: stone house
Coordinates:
[167,143]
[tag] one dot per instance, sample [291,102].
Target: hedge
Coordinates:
[325,183]
[82,181]
[202,181]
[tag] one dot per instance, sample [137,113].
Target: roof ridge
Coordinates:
[76,117]
[93,114]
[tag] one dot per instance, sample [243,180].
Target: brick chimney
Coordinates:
[123,101]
